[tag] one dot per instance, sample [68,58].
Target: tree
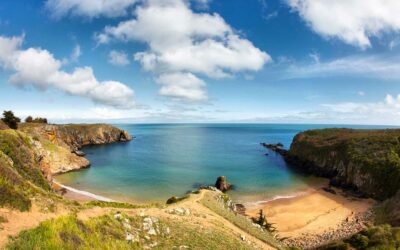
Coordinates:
[29,119]
[39,120]
[10,119]
[262,221]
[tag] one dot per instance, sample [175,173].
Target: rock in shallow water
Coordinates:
[222,184]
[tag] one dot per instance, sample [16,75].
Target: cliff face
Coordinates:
[367,161]
[58,144]
[75,136]
[31,155]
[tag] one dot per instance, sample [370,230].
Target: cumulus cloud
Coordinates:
[118,58]
[352,21]
[89,8]
[182,86]
[182,41]
[39,68]
[375,66]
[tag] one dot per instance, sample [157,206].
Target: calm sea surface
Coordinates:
[169,159]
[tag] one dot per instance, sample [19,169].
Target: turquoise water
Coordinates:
[169,159]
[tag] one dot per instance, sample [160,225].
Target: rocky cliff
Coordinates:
[30,156]
[367,161]
[59,144]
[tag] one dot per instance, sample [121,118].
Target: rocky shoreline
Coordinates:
[58,146]
[345,229]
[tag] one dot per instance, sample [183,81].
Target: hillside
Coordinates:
[31,155]
[367,161]
[20,173]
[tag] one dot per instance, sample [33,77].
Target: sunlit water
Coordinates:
[170,159]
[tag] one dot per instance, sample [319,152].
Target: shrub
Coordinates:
[10,119]
[29,119]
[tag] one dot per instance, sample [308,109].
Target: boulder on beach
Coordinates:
[222,184]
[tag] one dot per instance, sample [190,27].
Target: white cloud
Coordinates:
[375,66]
[76,53]
[361,93]
[89,8]
[182,41]
[389,106]
[352,21]
[118,58]
[182,86]
[39,68]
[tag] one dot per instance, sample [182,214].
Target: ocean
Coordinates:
[167,160]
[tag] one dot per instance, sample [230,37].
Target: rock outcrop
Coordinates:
[58,145]
[367,161]
[222,184]
[75,136]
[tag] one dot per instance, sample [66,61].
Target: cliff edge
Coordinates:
[367,161]
[59,144]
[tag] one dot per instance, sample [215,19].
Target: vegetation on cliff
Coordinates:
[119,231]
[30,155]
[365,160]
[20,173]
[382,237]
[213,202]
[62,142]
[10,119]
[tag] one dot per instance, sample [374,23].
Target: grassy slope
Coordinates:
[373,153]
[381,237]
[240,221]
[20,174]
[106,232]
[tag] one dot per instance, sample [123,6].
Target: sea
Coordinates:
[165,160]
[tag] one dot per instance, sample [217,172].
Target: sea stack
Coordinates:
[222,184]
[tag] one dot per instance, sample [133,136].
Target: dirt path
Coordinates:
[18,221]
[199,216]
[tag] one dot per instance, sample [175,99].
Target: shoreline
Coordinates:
[316,217]
[81,195]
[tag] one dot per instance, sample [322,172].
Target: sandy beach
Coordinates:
[76,194]
[314,214]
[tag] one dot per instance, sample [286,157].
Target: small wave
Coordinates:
[277,197]
[85,193]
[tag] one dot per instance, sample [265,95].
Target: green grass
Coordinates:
[371,154]
[106,232]
[210,201]
[119,205]
[20,173]
[382,237]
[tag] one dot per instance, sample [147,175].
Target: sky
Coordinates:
[161,61]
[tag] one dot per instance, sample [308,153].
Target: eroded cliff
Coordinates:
[30,156]
[59,144]
[367,161]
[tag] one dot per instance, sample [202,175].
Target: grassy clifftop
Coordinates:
[31,154]
[366,160]
[20,172]
[75,136]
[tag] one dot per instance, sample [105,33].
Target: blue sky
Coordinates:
[289,61]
